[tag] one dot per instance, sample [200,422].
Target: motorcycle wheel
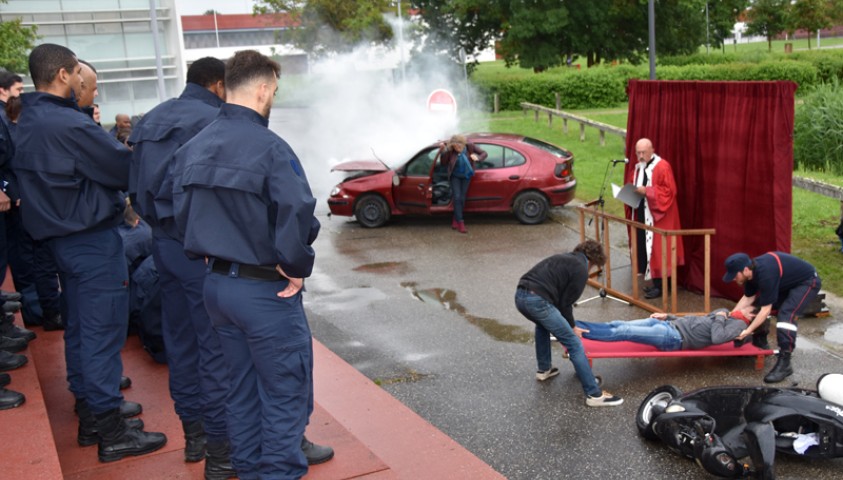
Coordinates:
[655,400]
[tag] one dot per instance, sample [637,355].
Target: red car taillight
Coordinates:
[563,170]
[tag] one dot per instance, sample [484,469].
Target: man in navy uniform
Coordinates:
[242,200]
[71,173]
[193,351]
[774,280]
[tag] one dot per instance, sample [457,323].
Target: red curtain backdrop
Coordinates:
[731,148]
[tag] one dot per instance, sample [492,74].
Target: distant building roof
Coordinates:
[246,21]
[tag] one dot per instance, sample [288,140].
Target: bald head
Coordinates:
[123,121]
[89,85]
[644,150]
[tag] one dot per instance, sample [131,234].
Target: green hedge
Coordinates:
[828,63]
[605,86]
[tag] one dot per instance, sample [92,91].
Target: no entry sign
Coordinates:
[442,101]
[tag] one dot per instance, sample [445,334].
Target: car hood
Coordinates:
[360,166]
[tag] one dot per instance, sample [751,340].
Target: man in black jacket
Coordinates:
[546,295]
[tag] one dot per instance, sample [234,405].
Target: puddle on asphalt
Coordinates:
[349,299]
[383,267]
[834,334]
[448,299]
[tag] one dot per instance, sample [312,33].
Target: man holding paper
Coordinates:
[653,179]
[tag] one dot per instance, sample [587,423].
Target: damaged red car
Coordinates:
[523,175]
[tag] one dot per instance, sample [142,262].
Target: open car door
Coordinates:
[412,186]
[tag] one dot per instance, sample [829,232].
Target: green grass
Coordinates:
[778,45]
[815,217]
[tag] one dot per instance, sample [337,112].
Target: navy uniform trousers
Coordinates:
[790,307]
[94,278]
[198,383]
[267,344]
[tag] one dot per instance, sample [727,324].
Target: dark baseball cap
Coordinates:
[735,264]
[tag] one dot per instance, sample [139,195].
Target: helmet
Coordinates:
[830,388]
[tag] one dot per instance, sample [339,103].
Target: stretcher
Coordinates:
[595,349]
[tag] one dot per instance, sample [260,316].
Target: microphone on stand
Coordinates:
[623,160]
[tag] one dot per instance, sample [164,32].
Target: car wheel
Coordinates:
[531,208]
[371,211]
[654,404]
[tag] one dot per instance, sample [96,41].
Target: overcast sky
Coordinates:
[198,7]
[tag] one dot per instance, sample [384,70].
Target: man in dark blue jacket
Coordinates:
[193,351]
[71,173]
[242,200]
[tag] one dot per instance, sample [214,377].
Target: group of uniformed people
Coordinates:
[232,218]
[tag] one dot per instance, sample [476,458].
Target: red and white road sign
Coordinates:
[442,101]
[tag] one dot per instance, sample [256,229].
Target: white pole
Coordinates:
[156,43]
[401,39]
[216,29]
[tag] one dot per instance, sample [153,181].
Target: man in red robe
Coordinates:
[653,178]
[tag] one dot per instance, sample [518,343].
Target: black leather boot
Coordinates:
[11,361]
[125,382]
[316,454]
[12,345]
[117,440]
[9,329]
[10,399]
[130,409]
[781,369]
[194,440]
[88,433]
[218,462]
[52,321]
[5,379]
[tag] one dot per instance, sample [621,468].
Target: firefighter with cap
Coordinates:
[774,280]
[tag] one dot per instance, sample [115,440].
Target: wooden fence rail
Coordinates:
[583,121]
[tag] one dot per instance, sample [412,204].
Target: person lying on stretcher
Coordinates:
[669,333]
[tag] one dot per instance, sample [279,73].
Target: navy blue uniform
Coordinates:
[788,287]
[242,200]
[7,151]
[70,174]
[194,356]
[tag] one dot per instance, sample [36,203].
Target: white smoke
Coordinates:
[356,104]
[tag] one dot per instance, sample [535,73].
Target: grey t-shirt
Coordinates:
[706,330]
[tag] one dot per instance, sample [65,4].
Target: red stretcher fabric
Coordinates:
[730,145]
[595,349]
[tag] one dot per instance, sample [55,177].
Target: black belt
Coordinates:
[252,272]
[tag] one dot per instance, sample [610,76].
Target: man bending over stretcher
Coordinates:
[669,333]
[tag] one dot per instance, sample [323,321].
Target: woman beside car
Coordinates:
[460,156]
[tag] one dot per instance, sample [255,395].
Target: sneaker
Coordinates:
[604,400]
[542,376]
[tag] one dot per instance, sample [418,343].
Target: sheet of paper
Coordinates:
[627,194]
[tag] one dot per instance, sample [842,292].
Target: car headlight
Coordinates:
[336,191]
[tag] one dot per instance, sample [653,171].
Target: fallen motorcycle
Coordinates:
[722,427]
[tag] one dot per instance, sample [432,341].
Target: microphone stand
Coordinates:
[601,202]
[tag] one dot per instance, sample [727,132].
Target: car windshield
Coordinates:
[553,149]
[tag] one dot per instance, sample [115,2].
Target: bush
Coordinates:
[818,131]
[603,87]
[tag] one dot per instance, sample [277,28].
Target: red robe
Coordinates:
[661,211]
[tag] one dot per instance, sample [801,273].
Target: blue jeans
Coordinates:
[549,320]
[459,188]
[649,331]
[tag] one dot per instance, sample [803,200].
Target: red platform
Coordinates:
[595,349]
[374,436]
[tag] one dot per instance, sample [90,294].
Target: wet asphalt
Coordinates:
[428,314]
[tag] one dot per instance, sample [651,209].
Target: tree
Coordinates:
[17,41]
[722,15]
[535,36]
[449,26]
[811,15]
[326,26]
[768,18]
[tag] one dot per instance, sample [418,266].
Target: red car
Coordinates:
[521,174]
